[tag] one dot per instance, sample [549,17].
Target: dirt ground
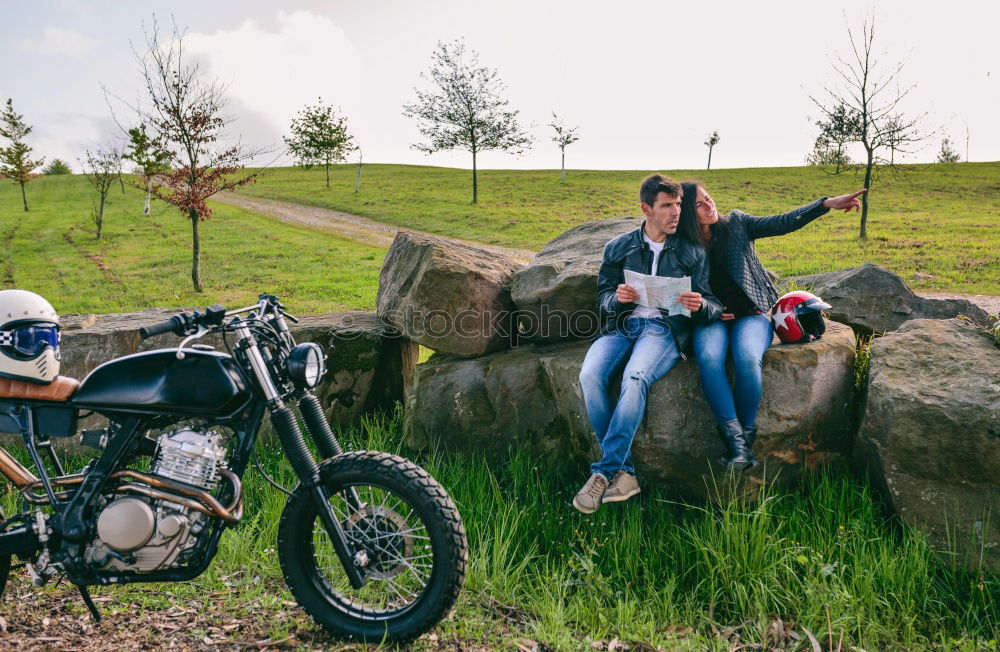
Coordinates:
[55,618]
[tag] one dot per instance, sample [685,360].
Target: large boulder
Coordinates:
[555,295]
[930,434]
[448,296]
[368,362]
[530,398]
[871,299]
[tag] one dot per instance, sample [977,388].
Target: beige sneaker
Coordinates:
[589,498]
[623,487]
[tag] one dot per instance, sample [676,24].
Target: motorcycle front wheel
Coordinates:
[410,532]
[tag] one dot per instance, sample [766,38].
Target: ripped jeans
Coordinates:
[647,350]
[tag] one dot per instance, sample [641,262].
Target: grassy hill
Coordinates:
[143,262]
[941,219]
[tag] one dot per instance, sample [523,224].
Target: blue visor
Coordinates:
[32,340]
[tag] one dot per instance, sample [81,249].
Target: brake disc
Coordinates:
[386,538]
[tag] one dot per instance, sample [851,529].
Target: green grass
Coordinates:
[143,262]
[653,569]
[941,219]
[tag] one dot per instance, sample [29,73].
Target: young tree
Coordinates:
[713,140]
[102,167]
[465,110]
[864,92]
[319,137]
[185,112]
[57,166]
[840,128]
[15,161]
[564,136]
[948,154]
[149,157]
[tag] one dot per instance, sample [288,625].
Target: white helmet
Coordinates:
[29,337]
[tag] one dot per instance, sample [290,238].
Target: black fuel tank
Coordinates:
[203,384]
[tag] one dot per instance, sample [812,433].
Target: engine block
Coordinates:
[143,534]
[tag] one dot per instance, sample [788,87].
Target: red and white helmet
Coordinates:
[797,318]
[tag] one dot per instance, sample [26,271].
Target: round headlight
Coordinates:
[306,365]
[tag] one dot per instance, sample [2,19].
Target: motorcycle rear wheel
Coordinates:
[412,535]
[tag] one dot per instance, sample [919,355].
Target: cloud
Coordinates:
[275,72]
[58,40]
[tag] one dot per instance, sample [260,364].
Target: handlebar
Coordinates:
[186,323]
[175,324]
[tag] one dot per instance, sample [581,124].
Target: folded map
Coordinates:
[660,291]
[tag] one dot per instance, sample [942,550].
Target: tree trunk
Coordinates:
[562,177]
[327,173]
[149,192]
[195,251]
[357,179]
[864,197]
[100,215]
[24,198]
[475,187]
[709,157]
[840,157]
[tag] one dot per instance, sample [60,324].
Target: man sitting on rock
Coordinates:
[647,342]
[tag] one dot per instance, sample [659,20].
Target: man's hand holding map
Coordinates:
[659,291]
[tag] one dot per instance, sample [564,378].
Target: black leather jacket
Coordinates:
[678,258]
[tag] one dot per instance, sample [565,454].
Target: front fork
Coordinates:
[294,446]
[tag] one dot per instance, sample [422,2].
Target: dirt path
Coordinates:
[352,227]
[380,234]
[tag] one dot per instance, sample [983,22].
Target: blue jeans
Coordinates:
[647,350]
[747,338]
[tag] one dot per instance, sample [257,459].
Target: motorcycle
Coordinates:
[369,544]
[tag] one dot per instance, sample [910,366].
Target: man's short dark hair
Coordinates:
[654,185]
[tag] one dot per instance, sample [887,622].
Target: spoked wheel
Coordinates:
[404,529]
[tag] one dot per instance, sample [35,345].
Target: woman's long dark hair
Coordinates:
[688,227]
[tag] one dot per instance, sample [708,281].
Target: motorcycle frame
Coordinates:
[70,527]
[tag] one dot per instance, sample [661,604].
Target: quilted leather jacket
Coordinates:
[678,258]
[741,259]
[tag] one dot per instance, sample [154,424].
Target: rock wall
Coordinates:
[530,398]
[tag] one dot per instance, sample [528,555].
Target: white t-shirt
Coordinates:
[656,247]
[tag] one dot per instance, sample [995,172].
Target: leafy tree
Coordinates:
[864,92]
[839,129]
[948,154]
[102,167]
[564,136]
[319,137]
[713,140]
[149,157]
[185,114]
[15,161]
[465,110]
[57,166]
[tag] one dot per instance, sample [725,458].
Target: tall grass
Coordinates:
[823,557]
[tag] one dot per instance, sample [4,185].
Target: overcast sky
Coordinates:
[645,81]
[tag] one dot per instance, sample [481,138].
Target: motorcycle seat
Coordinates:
[60,389]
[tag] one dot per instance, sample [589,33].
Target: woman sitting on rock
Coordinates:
[740,283]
